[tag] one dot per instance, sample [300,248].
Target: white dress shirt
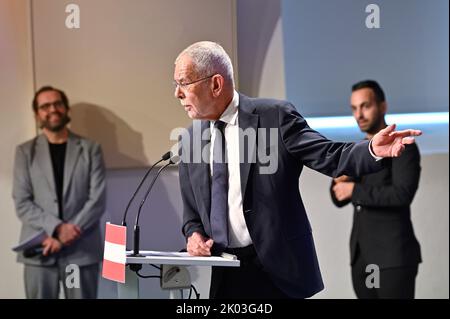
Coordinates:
[237,228]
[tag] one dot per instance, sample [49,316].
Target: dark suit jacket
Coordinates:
[382,219]
[272,205]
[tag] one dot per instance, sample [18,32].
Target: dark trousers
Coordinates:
[394,283]
[249,281]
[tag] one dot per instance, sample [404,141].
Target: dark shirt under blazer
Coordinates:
[83,197]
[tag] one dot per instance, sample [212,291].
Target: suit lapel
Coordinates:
[44,161]
[73,150]
[247,120]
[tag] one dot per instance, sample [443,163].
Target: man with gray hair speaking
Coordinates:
[232,203]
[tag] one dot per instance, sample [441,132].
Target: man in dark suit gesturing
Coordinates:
[239,178]
[382,234]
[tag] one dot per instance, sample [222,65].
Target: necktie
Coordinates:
[219,190]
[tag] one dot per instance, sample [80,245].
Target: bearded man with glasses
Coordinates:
[59,191]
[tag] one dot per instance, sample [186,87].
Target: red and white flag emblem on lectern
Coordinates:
[114,257]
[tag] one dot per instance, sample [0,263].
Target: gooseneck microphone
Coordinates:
[173,160]
[165,157]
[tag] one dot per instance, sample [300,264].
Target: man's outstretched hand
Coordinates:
[391,143]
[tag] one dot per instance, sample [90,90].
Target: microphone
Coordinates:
[33,251]
[173,160]
[165,157]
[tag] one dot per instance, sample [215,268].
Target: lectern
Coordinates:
[174,266]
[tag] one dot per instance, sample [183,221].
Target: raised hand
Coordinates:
[391,143]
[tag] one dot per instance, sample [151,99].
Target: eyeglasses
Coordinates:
[185,85]
[45,107]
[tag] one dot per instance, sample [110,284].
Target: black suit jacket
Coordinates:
[272,205]
[382,219]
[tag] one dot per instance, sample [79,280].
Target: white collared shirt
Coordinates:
[237,228]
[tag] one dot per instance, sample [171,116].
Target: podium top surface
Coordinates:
[179,258]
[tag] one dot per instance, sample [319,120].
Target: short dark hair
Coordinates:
[371,84]
[64,98]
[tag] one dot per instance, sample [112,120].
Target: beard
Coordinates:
[374,127]
[55,127]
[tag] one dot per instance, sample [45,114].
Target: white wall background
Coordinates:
[16,125]
[117,68]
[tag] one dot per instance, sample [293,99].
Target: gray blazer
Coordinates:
[83,197]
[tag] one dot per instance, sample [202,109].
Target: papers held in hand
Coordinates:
[31,246]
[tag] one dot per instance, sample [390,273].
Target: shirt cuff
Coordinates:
[377,158]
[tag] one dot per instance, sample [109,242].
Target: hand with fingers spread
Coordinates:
[391,143]
[199,245]
[51,245]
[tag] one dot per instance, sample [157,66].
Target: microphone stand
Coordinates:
[165,157]
[136,235]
